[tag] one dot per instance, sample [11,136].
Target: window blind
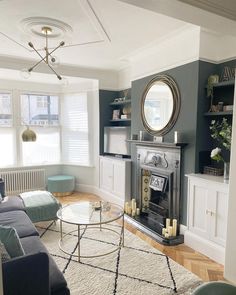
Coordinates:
[75,131]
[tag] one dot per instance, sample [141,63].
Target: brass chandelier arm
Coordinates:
[42,58]
[46,30]
[58,76]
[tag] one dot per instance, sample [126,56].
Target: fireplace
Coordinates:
[158,187]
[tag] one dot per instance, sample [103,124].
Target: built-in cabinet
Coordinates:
[207,215]
[115,179]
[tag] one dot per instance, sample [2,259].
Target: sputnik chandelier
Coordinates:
[48,58]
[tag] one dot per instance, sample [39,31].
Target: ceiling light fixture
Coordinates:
[49,59]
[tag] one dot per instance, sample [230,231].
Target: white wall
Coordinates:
[230,252]
[87,177]
[174,50]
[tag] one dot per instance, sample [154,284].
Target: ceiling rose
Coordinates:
[33,25]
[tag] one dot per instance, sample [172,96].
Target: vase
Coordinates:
[226,170]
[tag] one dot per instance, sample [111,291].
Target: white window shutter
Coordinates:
[75,132]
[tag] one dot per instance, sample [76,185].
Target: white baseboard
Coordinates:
[208,248]
[182,229]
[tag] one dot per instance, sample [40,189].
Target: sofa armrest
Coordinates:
[27,275]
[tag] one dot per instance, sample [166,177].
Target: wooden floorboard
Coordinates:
[199,264]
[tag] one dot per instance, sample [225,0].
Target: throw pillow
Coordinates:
[11,241]
[2,188]
[4,254]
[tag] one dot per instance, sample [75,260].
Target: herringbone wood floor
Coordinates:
[202,266]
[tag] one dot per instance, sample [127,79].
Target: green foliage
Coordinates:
[221,131]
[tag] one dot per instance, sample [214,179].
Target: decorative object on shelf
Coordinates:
[228,108]
[49,59]
[212,79]
[134,137]
[213,171]
[177,137]
[116,115]
[28,135]
[126,94]
[158,138]
[220,106]
[227,74]
[127,110]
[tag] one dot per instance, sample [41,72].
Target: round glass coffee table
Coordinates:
[92,215]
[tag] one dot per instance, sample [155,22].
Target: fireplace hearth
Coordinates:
[158,188]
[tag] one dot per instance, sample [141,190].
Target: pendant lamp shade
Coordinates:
[28,135]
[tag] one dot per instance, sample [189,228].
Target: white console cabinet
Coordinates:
[115,179]
[207,215]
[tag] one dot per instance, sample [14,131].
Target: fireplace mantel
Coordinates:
[157,144]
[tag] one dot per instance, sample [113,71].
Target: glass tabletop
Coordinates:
[90,213]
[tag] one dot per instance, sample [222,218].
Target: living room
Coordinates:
[113,50]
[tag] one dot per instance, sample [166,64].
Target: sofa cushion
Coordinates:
[33,245]
[11,241]
[20,221]
[11,204]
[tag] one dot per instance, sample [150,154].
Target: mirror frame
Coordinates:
[176,104]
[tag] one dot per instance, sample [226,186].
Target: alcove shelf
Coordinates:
[223,84]
[212,114]
[120,120]
[122,102]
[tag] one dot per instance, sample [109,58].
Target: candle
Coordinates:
[166,235]
[174,227]
[129,210]
[170,230]
[164,231]
[133,205]
[167,222]
[126,207]
[138,211]
[133,213]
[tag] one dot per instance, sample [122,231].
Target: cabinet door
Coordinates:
[119,179]
[106,174]
[219,218]
[198,206]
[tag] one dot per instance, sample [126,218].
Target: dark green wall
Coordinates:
[186,77]
[194,126]
[105,98]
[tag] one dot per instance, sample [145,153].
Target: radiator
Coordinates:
[20,181]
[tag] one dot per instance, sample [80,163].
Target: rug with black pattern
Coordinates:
[134,269]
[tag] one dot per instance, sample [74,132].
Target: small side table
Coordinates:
[61,185]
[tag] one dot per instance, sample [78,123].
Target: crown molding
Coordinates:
[217,7]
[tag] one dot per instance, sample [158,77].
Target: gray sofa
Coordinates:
[35,273]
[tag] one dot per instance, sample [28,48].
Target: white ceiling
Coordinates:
[103,34]
[117,29]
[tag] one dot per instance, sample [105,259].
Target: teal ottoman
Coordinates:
[40,205]
[61,185]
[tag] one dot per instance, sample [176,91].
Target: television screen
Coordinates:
[115,140]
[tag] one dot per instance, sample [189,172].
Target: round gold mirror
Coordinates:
[160,105]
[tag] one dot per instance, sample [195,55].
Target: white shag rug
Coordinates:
[137,268]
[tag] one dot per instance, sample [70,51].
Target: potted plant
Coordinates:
[221,131]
